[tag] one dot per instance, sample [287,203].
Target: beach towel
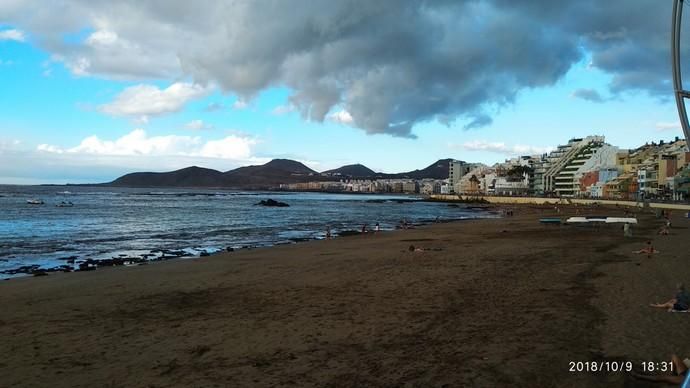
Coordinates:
[680,311]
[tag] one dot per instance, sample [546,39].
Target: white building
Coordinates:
[456,170]
[561,165]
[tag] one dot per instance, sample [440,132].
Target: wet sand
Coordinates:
[502,302]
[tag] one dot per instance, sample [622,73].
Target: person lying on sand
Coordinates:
[648,250]
[679,371]
[680,303]
[412,248]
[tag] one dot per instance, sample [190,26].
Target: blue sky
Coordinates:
[60,123]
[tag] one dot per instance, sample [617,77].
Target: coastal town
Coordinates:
[586,167]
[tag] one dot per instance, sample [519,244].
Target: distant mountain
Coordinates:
[186,177]
[352,170]
[437,170]
[268,175]
[272,173]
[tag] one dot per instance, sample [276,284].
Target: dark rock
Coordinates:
[272,203]
[88,265]
[345,233]
[40,273]
[26,269]
[230,249]
[204,254]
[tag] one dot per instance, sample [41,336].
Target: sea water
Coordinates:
[107,222]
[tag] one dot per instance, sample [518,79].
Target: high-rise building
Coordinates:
[456,170]
[558,172]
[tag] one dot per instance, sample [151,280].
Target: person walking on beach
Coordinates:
[680,303]
[364,228]
[328,232]
[377,228]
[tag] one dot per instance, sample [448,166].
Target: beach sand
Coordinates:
[497,302]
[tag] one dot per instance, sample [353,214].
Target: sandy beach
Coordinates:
[492,302]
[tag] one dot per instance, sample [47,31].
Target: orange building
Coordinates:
[587,180]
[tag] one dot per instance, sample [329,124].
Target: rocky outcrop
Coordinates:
[272,203]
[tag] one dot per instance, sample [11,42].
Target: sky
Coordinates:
[91,90]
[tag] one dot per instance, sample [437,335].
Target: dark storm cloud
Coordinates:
[390,64]
[588,95]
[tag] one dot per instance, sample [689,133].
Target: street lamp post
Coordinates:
[680,93]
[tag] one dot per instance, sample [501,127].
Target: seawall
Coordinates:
[555,201]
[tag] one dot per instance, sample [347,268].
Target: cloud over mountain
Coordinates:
[390,64]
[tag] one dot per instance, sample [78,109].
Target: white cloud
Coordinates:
[240,104]
[214,107]
[96,160]
[49,148]
[198,125]
[341,116]
[102,38]
[282,109]
[667,126]
[230,147]
[15,35]
[138,143]
[140,102]
[502,148]
[6,145]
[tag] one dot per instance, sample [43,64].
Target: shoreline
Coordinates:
[75,263]
[491,302]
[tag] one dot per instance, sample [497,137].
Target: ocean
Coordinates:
[141,225]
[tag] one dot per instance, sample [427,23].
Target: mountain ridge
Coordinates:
[271,174]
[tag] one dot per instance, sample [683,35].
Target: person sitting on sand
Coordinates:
[680,370]
[680,303]
[663,231]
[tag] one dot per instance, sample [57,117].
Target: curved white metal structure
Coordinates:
[681,94]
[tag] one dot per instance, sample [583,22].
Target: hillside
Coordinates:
[352,170]
[437,170]
[272,173]
[186,177]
